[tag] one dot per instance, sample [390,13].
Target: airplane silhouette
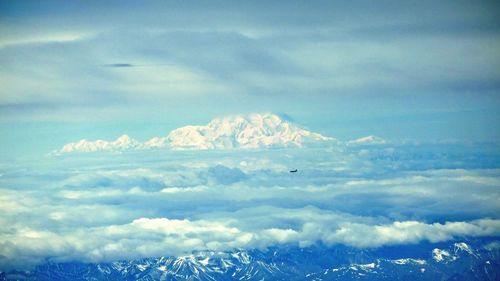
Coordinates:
[294,171]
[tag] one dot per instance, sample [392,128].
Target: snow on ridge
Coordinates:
[252,131]
[409,261]
[121,143]
[458,247]
[368,140]
[258,130]
[440,255]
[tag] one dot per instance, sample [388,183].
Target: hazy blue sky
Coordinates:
[426,70]
[86,69]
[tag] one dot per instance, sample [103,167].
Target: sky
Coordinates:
[423,76]
[85,69]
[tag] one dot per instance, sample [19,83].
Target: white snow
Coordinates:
[258,130]
[441,255]
[242,257]
[205,261]
[367,266]
[142,267]
[463,247]
[156,142]
[162,268]
[121,143]
[408,261]
[252,131]
[367,140]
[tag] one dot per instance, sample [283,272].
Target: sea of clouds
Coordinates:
[109,206]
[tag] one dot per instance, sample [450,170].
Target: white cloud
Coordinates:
[405,232]
[163,236]
[166,202]
[184,189]
[43,38]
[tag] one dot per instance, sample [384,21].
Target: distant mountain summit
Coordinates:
[368,140]
[238,131]
[121,143]
[258,130]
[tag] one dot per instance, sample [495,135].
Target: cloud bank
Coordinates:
[150,237]
[143,203]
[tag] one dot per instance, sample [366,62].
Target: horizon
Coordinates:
[277,141]
[419,70]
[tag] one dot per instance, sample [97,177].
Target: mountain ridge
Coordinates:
[253,131]
[282,263]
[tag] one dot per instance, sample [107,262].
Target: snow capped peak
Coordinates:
[123,139]
[442,255]
[122,142]
[238,131]
[409,261]
[257,130]
[367,140]
[156,142]
[366,267]
[463,247]
[454,252]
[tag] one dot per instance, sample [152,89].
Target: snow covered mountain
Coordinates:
[253,131]
[286,263]
[121,143]
[368,140]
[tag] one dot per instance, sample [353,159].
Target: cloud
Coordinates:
[44,38]
[407,232]
[320,63]
[119,65]
[138,203]
[158,236]
[225,175]
[243,61]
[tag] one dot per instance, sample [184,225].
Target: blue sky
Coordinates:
[419,70]
[422,71]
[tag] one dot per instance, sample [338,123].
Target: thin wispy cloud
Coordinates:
[330,57]
[129,131]
[119,65]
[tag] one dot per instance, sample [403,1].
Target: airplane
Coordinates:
[294,171]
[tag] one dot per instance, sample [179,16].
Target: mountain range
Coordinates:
[254,131]
[458,261]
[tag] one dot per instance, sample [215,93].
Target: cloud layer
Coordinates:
[152,237]
[103,207]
